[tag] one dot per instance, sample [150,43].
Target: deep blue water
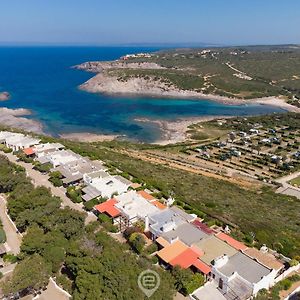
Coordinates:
[41,79]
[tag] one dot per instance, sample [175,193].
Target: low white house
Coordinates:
[61,157]
[42,149]
[18,141]
[241,276]
[134,207]
[106,184]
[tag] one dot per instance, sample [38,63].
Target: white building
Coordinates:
[134,207]
[58,158]
[17,141]
[42,149]
[106,184]
[241,276]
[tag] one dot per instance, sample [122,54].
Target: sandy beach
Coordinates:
[87,137]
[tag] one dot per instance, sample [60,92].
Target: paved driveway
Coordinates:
[13,238]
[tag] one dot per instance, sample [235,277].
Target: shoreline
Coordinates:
[176,131]
[88,137]
[16,118]
[275,101]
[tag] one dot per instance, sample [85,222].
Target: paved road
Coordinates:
[288,178]
[13,238]
[39,179]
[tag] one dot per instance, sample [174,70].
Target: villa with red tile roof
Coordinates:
[108,208]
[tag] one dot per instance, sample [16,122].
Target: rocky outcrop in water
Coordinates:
[15,118]
[4,96]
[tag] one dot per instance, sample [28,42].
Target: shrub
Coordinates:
[10,258]
[74,194]
[2,236]
[55,178]
[154,259]
[89,205]
[43,168]
[151,248]
[137,242]
[103,218]
[128,231]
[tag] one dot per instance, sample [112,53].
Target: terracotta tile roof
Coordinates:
[146,195]
[28,151]
[158,204]
[202,267]
[231,241]
[203,227]
[109,208]
[185,259]
[162,242]
[197,250]
[266,259]
[170,252]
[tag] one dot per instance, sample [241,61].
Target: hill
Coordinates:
[221,73]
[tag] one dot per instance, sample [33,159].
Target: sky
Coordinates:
[111,22]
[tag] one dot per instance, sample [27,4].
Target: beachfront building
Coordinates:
[17,141]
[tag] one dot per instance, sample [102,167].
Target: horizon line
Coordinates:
[138,44]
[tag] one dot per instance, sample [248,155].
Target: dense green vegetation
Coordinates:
[273,70]
[88,262]
[282,285]
[289,120]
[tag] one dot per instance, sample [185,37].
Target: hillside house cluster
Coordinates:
[232,270]
[185,241]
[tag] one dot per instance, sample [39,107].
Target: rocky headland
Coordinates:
[107,81]
[15,118]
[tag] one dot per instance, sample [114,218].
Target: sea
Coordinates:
[42,79]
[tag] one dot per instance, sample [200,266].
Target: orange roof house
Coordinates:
[185,259]
[161,241]
[151,199]
[202,267]
[231,241]
[170,252]
[109,208]
[158,204]
[28,151]
[146,196]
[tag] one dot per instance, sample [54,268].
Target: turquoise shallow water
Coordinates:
[41,79]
